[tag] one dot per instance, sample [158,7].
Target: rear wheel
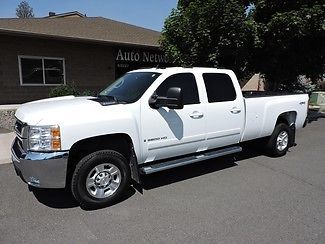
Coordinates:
[100,179]
[278,142]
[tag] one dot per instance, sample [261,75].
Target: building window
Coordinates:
[41,70]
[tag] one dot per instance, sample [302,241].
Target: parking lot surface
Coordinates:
[249,199]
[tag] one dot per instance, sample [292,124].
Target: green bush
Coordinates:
[69,89]
[87,93]
[64,90]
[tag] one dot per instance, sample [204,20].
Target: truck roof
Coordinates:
[182,69]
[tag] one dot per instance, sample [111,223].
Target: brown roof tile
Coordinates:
[97,29]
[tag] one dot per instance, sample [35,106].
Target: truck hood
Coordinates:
[54,110]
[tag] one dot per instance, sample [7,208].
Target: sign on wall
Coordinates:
[130,59]
[141,56]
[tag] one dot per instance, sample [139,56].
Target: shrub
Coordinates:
[69,89]
[64,90]
[87,93]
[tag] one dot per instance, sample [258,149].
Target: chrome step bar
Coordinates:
[189,160]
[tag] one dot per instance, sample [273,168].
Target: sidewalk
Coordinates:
[6,139]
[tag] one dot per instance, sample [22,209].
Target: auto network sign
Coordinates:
[141,56]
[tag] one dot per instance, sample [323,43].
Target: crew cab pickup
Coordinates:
[147,121]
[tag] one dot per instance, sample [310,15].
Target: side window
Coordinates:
[185,81]
[219,87]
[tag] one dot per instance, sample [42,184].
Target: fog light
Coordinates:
[33,181]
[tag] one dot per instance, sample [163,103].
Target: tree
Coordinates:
[24,10]
[290,37]
[212,33]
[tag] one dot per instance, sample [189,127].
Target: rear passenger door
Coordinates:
[174,132]
[225,111]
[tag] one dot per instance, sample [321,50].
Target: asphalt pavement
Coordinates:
[249,199]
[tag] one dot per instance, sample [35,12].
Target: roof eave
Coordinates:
[71,38]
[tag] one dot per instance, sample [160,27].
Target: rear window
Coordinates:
[219,87]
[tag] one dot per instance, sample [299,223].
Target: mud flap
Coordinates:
[135,175]
[292,138]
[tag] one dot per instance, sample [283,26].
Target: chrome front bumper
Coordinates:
[40,169]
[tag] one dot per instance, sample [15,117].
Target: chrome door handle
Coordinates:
[196,115]
[235,110]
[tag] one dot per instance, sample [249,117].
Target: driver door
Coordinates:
[174,132]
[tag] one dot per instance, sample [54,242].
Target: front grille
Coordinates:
[17,148]
[20,129]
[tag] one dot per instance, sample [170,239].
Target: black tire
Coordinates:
[86,166]
[272,147]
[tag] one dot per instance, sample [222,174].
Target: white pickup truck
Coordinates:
[147,121]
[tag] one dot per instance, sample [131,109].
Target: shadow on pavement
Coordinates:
[314,116]
[54,198]
[62,198]
[250,150]
[171,176]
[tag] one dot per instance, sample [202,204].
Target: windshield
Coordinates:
[131,86]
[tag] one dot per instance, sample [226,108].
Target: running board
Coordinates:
[188,160]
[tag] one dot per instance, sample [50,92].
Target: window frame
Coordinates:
[42,58]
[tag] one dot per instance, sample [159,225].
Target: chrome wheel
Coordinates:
[103,180]
[282,141]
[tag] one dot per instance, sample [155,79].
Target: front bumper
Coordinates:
[40,169]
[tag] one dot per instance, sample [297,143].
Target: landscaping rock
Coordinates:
[7,119]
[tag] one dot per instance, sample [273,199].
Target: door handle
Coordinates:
[196,115]
[235,110]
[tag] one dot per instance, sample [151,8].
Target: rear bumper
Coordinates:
[40,169]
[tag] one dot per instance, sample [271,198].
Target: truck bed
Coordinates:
[263,109]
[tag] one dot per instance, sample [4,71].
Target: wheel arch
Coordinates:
[288,118]
[119,142]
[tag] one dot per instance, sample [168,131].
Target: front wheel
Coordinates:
[278,143]
[100,179]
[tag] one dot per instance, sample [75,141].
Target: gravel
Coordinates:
[7,119]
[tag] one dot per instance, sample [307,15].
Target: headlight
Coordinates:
[44,138]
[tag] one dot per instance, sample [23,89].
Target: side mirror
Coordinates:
[173,99]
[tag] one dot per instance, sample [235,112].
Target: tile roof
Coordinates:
[96,29]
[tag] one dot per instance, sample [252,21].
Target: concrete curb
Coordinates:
[5,161]
[6,140]
[9,107]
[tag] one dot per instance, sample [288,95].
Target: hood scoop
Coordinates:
[104,101]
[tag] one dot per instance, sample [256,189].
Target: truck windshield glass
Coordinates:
[130,87]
